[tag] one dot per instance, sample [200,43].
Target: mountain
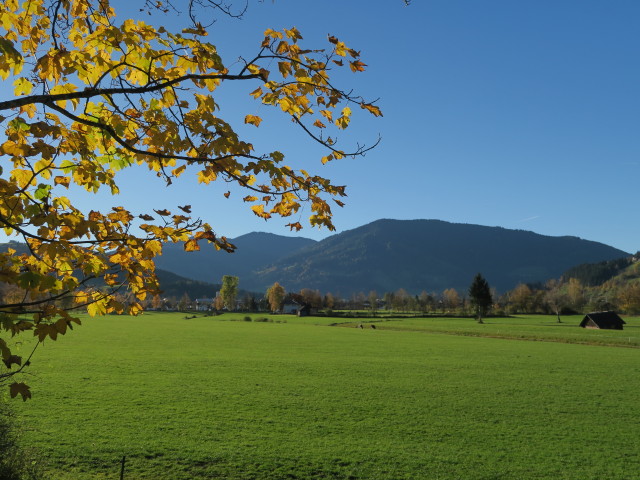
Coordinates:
[209,265]
[428,255]
[384,255]
[173,285]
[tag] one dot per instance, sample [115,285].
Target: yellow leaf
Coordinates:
[23,177]
[62,89]
[293,33]
[371,108]
[253,120]
[191,246]
[97,308]
[23,87]
[357,66]
[60,180]
[259,211]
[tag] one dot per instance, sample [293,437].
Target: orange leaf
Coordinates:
[191,245]
[296,225]
[372,108]
[357,66]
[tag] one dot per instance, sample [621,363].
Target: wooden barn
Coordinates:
[602,320]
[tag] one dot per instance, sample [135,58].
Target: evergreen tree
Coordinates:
[480,296]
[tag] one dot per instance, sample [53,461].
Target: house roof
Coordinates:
[603,319]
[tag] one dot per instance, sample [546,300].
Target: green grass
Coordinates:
[209,398]
[518,327]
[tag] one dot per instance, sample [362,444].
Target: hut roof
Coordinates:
[603,320]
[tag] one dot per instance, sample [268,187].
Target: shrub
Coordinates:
[15,462]
[263,319]
[247,318]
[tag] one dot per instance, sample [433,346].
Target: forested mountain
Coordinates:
[428,255]
[593,274]
[173,285]
[386,255]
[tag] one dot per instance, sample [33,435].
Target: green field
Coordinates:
[210,398]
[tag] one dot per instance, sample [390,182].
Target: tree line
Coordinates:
[564,296]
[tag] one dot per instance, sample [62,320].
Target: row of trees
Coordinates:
[555,297]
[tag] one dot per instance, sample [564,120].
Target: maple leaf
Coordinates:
[191,246]
[294,226]
[22,389]
[253,120]
[357,66]
[121,94]
[371,108]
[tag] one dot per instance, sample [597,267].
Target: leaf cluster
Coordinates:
[94,95]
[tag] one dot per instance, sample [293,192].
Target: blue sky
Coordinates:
[520,114]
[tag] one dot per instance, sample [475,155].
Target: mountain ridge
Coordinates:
[385,255]
[429,255]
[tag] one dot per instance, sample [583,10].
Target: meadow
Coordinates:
[211,398]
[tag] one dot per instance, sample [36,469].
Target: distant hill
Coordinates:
[428,255]
[253,250]
[617,271]
[594,274]
[173,285]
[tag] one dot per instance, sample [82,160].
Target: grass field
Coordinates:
[209,398]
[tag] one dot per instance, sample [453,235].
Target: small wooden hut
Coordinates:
[602,320]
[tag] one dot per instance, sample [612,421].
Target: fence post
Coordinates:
[124,459]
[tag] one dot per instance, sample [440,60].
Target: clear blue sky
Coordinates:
[520,114]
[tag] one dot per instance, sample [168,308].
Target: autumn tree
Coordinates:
[329,301]
[249,303]
[520,298]
[310,297]
[229,291]
[372,298]
[555,297]
[426,301]
[94,94]
[480,296]
[629,298]
[575,294]
[185,302]
[451,299]
[275,296]
[400,300]
[218,302]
